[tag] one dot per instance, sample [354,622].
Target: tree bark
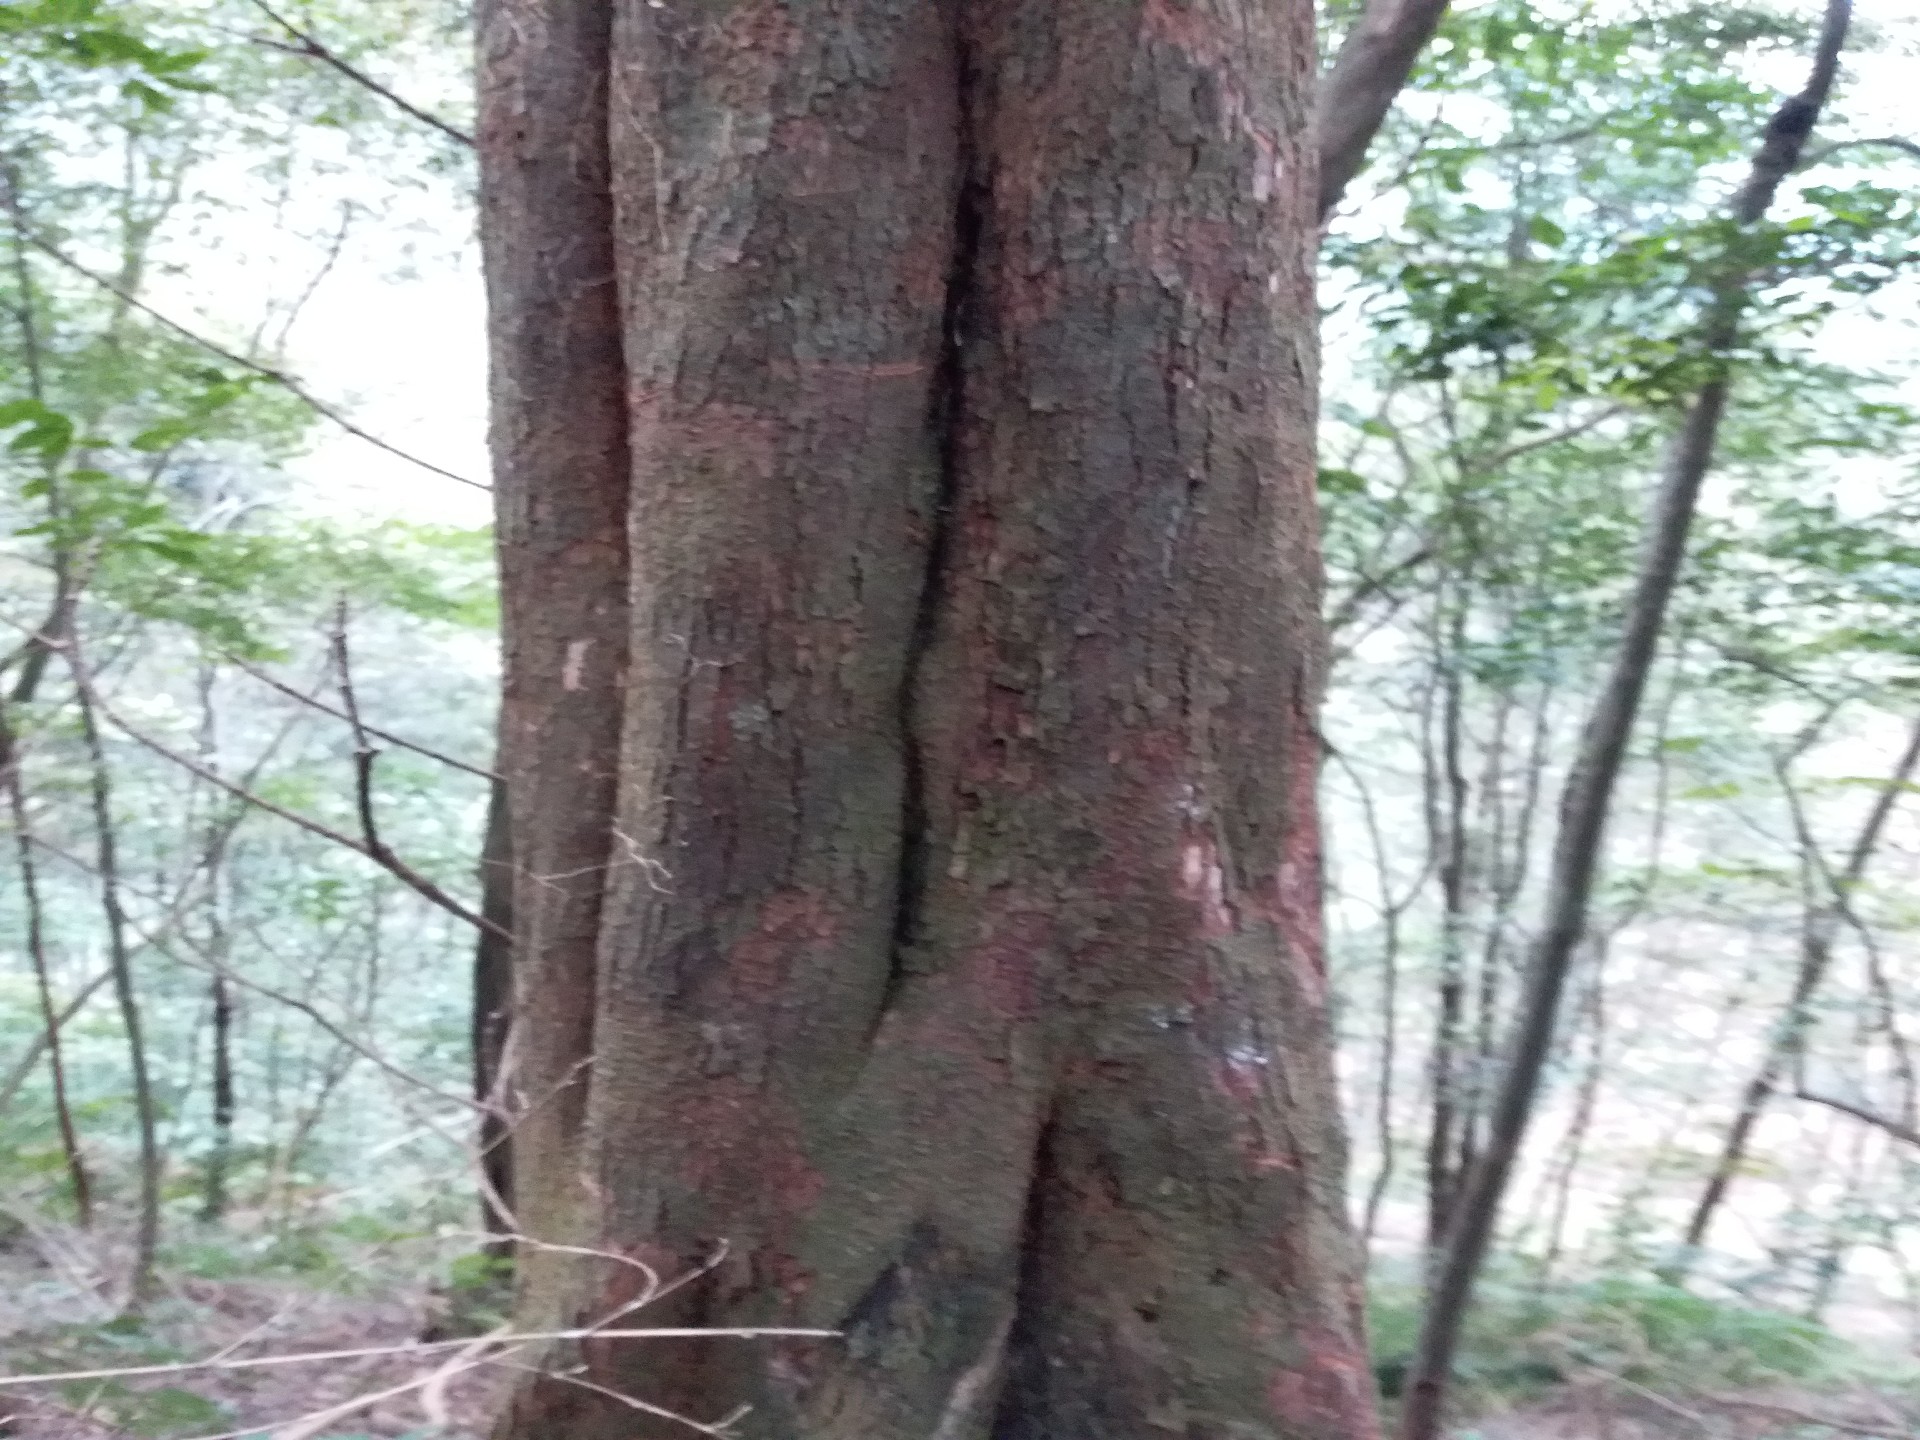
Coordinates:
[1587,797]
[958,967]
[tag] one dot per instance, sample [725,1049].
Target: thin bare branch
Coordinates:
[306,45]
[421,1347]
[1891,142]
[266,372]
[316,703]
[1904,1133]
[36,1047]
[1808,1417]
[386,860]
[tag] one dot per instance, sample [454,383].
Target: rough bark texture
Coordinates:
[959,962]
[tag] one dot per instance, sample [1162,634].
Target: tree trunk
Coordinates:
[1447,823]
[1586,799]
[1819,931]
[36,944]
[213,1203]
[559,440]
[141,1280]
[958,964]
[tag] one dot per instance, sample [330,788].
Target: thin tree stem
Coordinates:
[1587,797]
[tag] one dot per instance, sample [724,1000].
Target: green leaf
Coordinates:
[48,433]
[1726,790]
[1546,232]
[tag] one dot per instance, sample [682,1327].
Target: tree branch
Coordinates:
[308,47]
[385,858]
[266,372]
[1894,142]
[1860,1112]
[316,703]
[1359,89]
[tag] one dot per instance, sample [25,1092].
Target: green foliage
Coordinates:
[90,35]
[1522,1339]
[162,1413]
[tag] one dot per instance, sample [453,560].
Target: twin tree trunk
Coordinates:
[904,430]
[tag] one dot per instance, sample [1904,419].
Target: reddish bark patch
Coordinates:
[754,1161]
[1200,259]
[741,437]
[760,962]
[1005,967]
[1329,1392]
[1296,883]
[765,28]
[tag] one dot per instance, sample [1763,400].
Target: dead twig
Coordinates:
[1887,1123]
[315,702]
[1807,1417]
[266,372]
[308,47]
[384,858]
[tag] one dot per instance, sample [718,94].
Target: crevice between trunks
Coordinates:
[947,416]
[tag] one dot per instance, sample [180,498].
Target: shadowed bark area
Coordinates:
[492,1014]
[959,962]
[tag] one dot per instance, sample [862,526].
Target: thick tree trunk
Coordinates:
[959,965]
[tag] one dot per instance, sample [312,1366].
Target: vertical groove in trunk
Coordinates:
[492,1014]
[947,412]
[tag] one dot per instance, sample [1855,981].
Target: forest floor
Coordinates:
[54,1320]
[1602,1412]
[406,1381]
